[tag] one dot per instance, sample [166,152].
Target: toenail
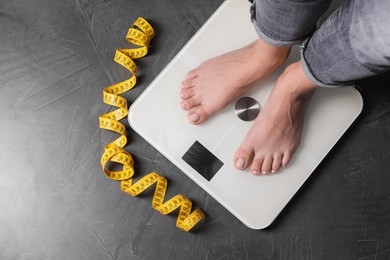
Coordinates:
[264,172]
[195,117]
[255,172]
[273,171]
[183,105]
[240,163]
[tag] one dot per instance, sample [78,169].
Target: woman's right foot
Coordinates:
[220,80]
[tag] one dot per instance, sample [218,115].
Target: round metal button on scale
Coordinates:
[247,108]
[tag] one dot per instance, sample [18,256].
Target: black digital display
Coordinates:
[202,160]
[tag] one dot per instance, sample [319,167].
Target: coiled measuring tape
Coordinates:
[140,34]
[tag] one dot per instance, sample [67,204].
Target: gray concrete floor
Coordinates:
[56,56]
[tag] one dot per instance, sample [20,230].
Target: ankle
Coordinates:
[275,55]
[297,80]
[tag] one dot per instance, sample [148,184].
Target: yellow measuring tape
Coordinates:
[140,34]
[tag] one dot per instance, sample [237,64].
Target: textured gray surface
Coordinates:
[55,203]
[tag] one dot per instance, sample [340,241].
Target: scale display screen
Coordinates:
[202,160]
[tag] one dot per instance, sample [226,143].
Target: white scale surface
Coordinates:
[255,200]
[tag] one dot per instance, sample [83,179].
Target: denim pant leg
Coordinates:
[353,43]
[286,22]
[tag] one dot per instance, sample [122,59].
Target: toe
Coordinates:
[187,84]
[256,165]
[243,157]
[186,93]
[193,118]
[192,74]
[189,103]
[286,159]
[197,115]
[277,163]
[267,165]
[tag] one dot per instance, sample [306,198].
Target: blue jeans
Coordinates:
[353,43]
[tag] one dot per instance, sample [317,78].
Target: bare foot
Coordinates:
[218,81]
[276,132]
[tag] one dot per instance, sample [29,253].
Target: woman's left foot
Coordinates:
[276,132]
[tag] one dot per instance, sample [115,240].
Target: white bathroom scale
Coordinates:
[205,152]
